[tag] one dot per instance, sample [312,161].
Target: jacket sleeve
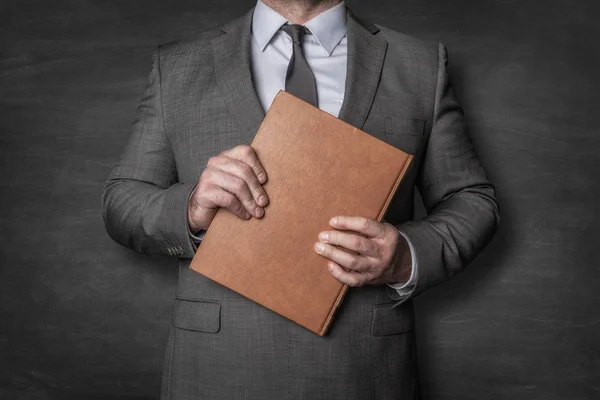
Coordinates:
[462,211]
[143,205]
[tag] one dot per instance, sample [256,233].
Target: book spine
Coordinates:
[382,212]
[394,188]
[336,305]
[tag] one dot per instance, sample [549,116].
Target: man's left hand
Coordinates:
[383,254]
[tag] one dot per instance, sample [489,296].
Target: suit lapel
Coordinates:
[231,54]
[366,53]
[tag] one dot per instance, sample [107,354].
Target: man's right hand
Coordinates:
[233,180]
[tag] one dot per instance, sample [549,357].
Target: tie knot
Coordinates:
[295,31]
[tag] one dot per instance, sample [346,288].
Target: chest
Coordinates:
[200,124]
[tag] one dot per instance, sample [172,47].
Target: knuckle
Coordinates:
[258,191]
[228,199]
[354,282]
[365,223]
[207,174]
[203,184]
[212,161]
[239,208]
[221,180]
[365,247]
[357,243]
[245,149]
[337,274]
[353,263]
[246,170]
[233,204]
[238,184]
[223,199]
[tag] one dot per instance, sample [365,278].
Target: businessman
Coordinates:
[188,155]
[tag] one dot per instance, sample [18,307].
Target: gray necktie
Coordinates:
[299,80]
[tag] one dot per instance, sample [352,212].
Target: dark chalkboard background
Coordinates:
[81,317]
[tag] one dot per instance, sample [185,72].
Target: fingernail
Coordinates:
[262,177]
[319,248]
[324,236]
[334,221]
[262,200]
[258,211]
[330,266]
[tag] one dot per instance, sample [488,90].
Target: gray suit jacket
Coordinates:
[199,101]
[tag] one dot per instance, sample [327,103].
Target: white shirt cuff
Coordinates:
[198,237]
[404,288]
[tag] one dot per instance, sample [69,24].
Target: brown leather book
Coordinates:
[318,167]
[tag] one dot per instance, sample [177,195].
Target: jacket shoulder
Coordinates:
[189,46]
[191,55]
[410,48]
[201,43]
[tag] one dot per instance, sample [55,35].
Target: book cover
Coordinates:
[318,166]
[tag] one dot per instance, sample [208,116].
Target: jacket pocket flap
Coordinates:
[197,315]
[404,126]
[388,320]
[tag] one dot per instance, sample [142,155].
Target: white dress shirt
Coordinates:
[326,52]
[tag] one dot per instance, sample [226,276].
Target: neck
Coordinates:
[300,11]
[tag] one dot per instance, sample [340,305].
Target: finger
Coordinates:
[350,241]
[237,187]
[354,279]
[346,260]
[222,198]
[242,171]
[246,154]
[366,226]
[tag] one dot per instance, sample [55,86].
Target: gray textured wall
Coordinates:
[81,317]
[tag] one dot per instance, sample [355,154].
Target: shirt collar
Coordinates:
[329,27]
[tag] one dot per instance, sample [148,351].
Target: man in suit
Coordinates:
[188,155]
